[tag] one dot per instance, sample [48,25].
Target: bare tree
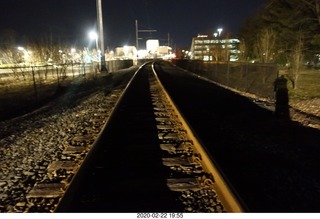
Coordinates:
[296,58]
[243,55]
[265,46]
[314,6]
[6,56]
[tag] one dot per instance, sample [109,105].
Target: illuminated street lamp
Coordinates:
[94,36]
[26,54]
[219,31]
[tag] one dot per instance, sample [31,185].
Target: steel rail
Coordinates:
[207,180]
[225,194]
[75,180]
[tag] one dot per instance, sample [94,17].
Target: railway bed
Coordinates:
[147,160]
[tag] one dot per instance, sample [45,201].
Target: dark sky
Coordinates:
[73,19]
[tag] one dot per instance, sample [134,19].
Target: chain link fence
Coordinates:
[39,76]
[32,85]
[257,79]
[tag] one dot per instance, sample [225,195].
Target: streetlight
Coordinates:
[219,43]
[26,54]
[94,36]
[219,31]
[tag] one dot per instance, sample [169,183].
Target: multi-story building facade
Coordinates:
[212,48]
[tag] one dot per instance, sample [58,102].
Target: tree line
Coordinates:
[41,50]
[284,31]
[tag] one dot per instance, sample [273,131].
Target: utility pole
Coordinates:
[101,37]
[137,36]
[141,31]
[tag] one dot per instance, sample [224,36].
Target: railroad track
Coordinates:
[147,160]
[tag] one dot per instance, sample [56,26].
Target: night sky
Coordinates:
[71,20]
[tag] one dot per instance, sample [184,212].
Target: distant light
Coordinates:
[219,31]
[93,35]
[20,48]
[126,49]
[73,50]
[152,45]
[142,53]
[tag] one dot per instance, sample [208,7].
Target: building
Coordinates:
[126,52]
[154,50]
[152,46]
[214,48]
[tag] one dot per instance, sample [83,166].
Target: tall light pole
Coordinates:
[101,38]
[220,42]
[219,31]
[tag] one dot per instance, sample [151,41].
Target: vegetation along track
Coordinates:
[147,160]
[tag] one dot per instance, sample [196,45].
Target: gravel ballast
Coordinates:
[32,146]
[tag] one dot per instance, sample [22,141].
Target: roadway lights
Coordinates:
[26,54]
[94,36]
[216,34]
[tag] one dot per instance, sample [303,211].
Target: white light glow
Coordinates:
[152,45]
[93,35]
[142,53]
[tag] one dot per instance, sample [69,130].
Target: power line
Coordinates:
[141,31]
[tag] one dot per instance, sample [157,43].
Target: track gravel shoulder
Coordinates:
[32,143]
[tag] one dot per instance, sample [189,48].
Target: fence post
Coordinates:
[228,73]
[34,84]
[247,77]
[72,70]
[57,71]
